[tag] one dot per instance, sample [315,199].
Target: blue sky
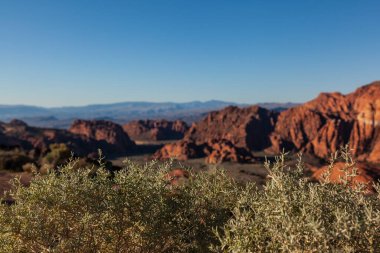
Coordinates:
[77,52]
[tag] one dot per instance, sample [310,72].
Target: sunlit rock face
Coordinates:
[318,127]
[180,150]
[354,175]
[331,120]
[226,135]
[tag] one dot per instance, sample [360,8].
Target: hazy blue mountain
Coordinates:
[61,117]
[15,111]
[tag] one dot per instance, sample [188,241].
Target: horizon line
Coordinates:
[144,101]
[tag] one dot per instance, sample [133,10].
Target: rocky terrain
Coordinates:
[318,127]
[331,120]
[233,135]
[17,134]
[226,135]
[155,130]
[25,150]
[22,145]
[338,173]
[110,136]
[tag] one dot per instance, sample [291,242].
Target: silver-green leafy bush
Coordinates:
[292,214]
[138,210]
[133,210]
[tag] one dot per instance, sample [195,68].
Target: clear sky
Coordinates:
[76,52]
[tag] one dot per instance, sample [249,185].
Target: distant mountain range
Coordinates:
[61,117]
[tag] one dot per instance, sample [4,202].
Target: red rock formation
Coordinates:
[111,134]
[180,150]
[177,176]
[36,141]
[223,151]
[156,129]
[247,128]
[226,135]
[17,134]
[365,135]
[374,155]
[341,172]
[318,127]
[322,125]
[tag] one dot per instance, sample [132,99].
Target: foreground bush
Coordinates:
[293,215]
[134,210]
[138,210]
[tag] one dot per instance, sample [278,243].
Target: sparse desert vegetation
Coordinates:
[144,208]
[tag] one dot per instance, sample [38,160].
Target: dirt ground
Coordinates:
[255,171]
[241,172]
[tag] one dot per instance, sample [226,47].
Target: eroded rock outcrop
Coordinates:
[322,125]
[225,151]
[112,135]
[318,127]
[226,135]
[53,146]
[247,128]
[177,177]
[154,130]
[365,135]
[341,172]
[180,150]
[36,141]
[84,137]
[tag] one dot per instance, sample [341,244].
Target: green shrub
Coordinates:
[294,215]
[138,210]
[134,210]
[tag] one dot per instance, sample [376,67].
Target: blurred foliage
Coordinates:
[57,155]
[13,159]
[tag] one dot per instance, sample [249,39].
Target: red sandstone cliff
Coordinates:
[18,134]
[226,135]
[322,125]
[318,127]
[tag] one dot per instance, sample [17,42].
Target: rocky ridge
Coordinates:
[110,136]
[318,127]
[226,135]
[321,126]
